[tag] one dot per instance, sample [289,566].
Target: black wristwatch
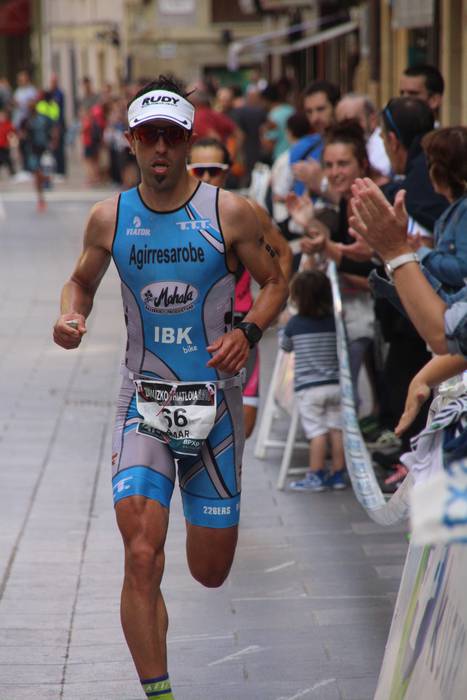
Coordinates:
[252,332]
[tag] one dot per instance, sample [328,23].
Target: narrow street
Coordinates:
[306,610]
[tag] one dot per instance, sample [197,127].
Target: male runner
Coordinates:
[176,243]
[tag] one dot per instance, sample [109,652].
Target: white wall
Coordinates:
[82,12]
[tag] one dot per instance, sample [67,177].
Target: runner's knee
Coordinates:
[212,576]
[210,564]
[144,564]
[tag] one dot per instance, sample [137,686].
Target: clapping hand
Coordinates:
[309,172]
[359,251]
[313,242]
[384,227]
[300,209]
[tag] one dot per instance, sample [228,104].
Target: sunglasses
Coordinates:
[212,169]
[149,135]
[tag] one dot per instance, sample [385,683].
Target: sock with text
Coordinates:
[158,688]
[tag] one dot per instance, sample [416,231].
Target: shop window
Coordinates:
[231,11]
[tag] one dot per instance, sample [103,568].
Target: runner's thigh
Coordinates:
[141,465]
[211,483]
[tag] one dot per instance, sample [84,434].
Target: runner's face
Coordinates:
[161,150]
[341,168]
[209,155]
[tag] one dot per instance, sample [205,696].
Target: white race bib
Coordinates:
[181,414]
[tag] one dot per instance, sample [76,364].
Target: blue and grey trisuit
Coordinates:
[178,294]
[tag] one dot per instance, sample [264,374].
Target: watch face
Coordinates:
[253,333]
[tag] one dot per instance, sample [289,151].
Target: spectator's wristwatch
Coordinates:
[252,332]
[391,265]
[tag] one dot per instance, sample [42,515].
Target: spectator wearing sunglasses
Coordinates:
[405,121]
[210,123]
[210,162]
[175,242]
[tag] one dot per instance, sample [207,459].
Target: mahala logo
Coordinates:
[169,297]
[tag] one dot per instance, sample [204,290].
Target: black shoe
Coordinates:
[387,460]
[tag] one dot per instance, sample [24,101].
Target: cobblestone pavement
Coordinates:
[306,610]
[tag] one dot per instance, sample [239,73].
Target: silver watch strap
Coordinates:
[400,260]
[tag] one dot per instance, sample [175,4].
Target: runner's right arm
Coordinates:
[78,293]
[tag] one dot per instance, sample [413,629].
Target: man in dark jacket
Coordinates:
[405,121]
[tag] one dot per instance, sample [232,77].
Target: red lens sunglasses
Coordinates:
[149,135]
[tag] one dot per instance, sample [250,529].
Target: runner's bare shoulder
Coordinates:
[260,211]
[237,216]
[100,228]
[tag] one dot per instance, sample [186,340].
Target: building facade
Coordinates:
[77,39]
[403,34]
[363,45]
[189,38]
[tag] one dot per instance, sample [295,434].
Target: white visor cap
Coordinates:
[161,104]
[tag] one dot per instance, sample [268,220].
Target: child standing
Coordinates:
[311,334]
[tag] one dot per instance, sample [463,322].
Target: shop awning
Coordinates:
[257,48]
[15,17]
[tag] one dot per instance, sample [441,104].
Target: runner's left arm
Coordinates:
[275,238]
[244,236]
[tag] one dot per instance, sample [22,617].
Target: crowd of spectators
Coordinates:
[402,148]
[318,145]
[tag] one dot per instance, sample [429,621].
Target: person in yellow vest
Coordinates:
[48,107]
[39,133]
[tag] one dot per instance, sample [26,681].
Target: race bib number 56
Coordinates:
[180,414]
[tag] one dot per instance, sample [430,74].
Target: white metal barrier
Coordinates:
[259,184]
[281,375]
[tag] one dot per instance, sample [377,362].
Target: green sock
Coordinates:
[158,688]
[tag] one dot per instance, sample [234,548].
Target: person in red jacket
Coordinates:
[92,131]
[6,131]
[208,122]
